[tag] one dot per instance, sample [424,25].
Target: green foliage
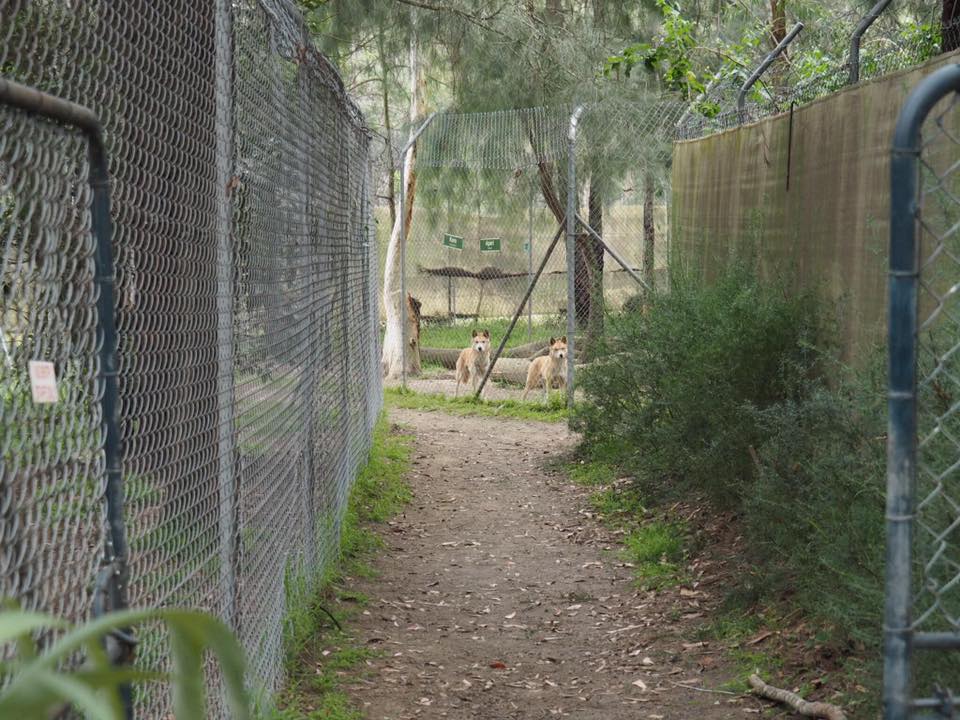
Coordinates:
[380,490]
[656,549]
[669,57]
[674,396]
[593,473]
[555,410]
[36,683]
[815,509]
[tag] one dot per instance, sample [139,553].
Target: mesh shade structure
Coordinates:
[491,196]
[247,311]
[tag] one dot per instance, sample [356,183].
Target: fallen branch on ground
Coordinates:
[795,702]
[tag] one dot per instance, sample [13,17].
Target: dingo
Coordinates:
[473,361]
[548,368]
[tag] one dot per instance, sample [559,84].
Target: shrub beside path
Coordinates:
[498,595]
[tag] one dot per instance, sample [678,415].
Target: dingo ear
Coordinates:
[473,334]
[552,340]
[564,339]
[485,333]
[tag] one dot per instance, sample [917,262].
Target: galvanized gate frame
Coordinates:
[110,592]
[901,636]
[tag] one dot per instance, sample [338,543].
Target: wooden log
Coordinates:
[525,350]
[512,370]
[795,702]
[440,356]
[507,369]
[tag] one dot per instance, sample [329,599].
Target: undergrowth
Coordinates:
[733,392]
[653,547]
[553,411]
[318,654]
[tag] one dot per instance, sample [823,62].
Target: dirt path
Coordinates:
[499,597]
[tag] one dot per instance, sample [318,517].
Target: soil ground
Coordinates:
[499,596]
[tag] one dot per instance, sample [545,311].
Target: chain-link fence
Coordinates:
[246,310]
[923,503]
[489,210]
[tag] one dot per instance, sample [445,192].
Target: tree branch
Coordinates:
[795,702]
[479,21]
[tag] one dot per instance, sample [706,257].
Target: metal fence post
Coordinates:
[902,383]
[403,240]
[571,249]
[226,436]
[862,27]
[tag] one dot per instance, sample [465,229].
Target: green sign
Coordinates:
[526,247]
[452,241]
[490,245]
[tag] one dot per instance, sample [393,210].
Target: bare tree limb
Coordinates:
[795,702]
[479,21]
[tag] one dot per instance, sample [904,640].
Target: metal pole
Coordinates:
[767,62]
[903,286]
[519,310]
[403,244]
[862,27]
[530,268]
[614,254]
[571,249]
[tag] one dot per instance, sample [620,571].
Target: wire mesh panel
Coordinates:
[923,575]
[249,360]
[485,211]
[491,195]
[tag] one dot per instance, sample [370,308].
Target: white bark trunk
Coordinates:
[394,355]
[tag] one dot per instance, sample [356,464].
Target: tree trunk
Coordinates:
[588,298]
[413,334]
[778,21]
[649,229]
[950,25]
[394,354]
[391,168]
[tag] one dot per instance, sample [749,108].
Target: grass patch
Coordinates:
[319,657]
[656,550]
[554,411]
[592,473]
[436,335]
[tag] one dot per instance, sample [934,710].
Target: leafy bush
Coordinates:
[675,393]
[815,511]
[731,391]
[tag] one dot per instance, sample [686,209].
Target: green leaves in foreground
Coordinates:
[37,685]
